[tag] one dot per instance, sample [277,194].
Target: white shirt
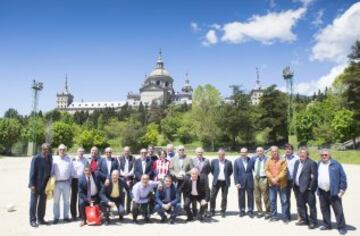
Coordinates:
[108,163]
[300,166]
[79,164]
[143,163]
[221,170]
[245,163]
[290,161]
[194,191]
[262,167]
[324,176]
[126,167]
[93,187]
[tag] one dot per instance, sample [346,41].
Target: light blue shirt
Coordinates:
[290,161]
[141,193]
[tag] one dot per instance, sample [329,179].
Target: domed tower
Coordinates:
[65,98]
[158,86]
[185,96]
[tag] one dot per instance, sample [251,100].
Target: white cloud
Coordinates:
[334,42]
[308,88]
[275,26]
[318,18]
[210,38]
[194,27]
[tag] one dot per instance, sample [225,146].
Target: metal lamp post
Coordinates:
[288,75]
[36,88]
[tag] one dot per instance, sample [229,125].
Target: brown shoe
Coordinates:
[82,223]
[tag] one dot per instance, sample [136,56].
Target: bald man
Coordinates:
[201,163]
[195,189]
[112,196]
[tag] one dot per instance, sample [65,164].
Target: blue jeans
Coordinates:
[273,192]
[62,188]
[174,211]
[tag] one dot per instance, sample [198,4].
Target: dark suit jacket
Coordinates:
[106,190]
[103,172]
[138,170]
[174,196]
[83,187]
[215,170]
[243,176]
[206,168]
[202,185]
[308,176]
[121,162]
[38,177]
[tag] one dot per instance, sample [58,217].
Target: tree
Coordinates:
[152,134]
[131,134]
[10,131]
[205,107]
[171,123]
[34,124]
[89,138]
[273,106]
[304,123]
[345,126]
[236,120]
[62,133]
[11,113]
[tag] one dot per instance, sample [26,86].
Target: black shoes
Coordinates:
[223,214]
[43,222]
[325,227]
[172,221]
[107,222]
[163,220]
[34,224]
[189,219]
[67,220]
[56,221]
[312,226]
[242,214]
[342,231]
[300,223]
[250,214]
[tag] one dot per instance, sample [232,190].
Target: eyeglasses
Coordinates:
[108,152]
[324,155]
[181,149]
[62,149]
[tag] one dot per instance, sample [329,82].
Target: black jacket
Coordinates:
[202,186]
[308,176]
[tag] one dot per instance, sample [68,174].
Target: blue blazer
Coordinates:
[37,177]
[243,176]
[103,172]
[83,187]
[138,170]
[215,170]
[337,177]
[174,196]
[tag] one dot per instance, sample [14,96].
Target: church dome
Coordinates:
[159,73]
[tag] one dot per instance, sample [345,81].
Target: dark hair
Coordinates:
[289,146]
[162,152]
[168,177]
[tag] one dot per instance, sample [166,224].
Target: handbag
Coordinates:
[93,215]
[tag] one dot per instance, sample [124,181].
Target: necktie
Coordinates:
[89,189]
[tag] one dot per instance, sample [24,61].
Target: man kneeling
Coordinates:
[142,197]
[196,189]
[88,189]
[112,194]
[167,200]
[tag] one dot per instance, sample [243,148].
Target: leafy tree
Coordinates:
[304,123]
[171,123]
[152,134]
[131,134]
[37,124]
[62,133]
[205,108]
[10,131]
[11,113]
[89,138]
[273,107]
[345,126]
[53,115]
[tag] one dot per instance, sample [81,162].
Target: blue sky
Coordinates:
[107,47]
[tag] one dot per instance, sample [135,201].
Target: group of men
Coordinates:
[125,184]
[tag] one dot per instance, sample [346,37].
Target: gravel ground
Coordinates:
[14,178]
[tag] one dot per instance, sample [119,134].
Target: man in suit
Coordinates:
[332,185]
[221,170]
[112,195]
[201,163]
[305,185]
[142,165]
[195,189]
[126,167]
[88,189]
[170,153]
[244,182]
[94,159]
[276,172]
[180,166]
[167,200]
[107,165]
[261,186]
[40,171]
